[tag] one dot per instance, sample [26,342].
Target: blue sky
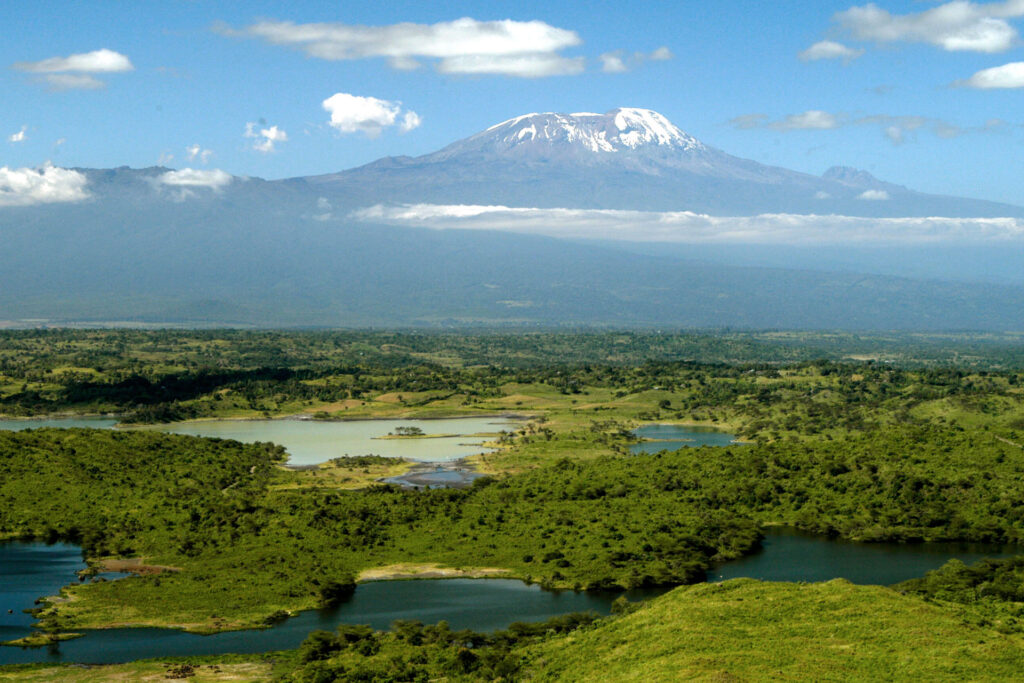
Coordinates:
[901,89]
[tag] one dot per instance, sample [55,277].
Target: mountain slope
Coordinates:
[260,253]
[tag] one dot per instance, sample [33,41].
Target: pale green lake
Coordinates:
[310,442]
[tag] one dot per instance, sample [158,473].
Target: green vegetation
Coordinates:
[229,538]
[747,630]
[41,639]
[263,667]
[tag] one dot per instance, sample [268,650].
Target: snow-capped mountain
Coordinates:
[627,158]
[619,130]
[201,245]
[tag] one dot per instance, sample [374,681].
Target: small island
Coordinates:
[413,433]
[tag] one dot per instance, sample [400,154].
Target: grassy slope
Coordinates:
[193,669]
[748,630]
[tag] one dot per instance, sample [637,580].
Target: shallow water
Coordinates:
[677,437]
[310,442]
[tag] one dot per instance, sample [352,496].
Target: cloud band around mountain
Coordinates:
[695,228]
[46,185]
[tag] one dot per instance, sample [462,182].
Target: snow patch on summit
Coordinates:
[617,130]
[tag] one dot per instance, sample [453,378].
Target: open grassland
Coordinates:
[192,669]
[744,630]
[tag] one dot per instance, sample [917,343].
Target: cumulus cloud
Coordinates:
[693,228]
[265,138]
[954,26]
[46,185]
[195,152]
[367,115]
[1006,76]
[874,195]
[511,48]
[76,72]
[214,179]
[829,49]
[20,136]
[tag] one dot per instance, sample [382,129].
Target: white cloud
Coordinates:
[1006,76]
[46,185]
[72,82]
[748,121]
[829,49]
[537,65]
[214,179]
[265,138]
[617,62]
[410,120]
[694,228]
[512,48]
[75,72]
[895,128]
[954,26]
[813,119]
[197,152]
[368,115]
[661,54]
[874,195]
[20,136]
[611,63]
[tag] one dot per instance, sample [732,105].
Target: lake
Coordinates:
[792,555]
[311,442]
[677,437]
[31,570]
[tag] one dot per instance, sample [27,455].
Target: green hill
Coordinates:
[748,630]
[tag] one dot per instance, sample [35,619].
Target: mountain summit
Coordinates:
[540,135]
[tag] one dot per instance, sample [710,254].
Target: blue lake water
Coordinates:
[677,437]
[31,570]
[792,555]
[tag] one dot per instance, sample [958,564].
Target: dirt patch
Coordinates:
[429,571]
[134,565]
